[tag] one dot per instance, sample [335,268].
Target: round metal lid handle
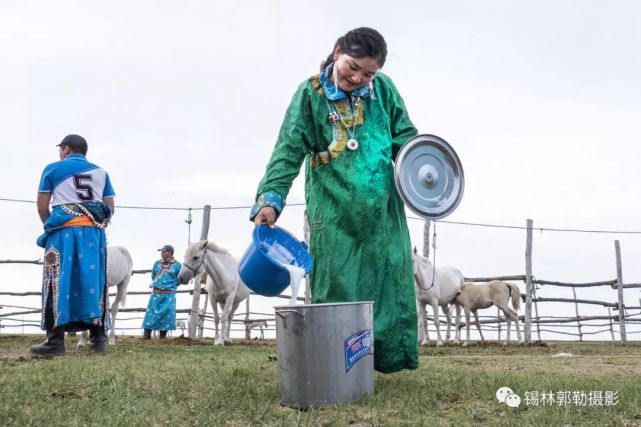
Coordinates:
[429,175]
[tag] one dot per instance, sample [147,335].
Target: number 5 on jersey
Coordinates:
[85,192]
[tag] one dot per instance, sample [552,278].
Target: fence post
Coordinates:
[610,319]
[308,290]
[426,254]
[576,310]
[528,284]
[193,314]
[617,250]
[247,330]
[536,317]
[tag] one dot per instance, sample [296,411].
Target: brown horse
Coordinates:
[474,296]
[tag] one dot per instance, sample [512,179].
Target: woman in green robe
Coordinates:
[348,123]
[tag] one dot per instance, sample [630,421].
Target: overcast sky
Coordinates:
[181,103]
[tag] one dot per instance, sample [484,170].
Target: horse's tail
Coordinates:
[461,283]
[515,293]
[121,294]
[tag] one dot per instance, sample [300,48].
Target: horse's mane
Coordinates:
[191,250]
[214,247]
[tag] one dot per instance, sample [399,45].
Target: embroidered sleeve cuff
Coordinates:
[269,198]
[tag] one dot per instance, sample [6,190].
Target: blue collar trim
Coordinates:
[333,92]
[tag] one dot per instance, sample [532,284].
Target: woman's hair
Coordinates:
[360,43]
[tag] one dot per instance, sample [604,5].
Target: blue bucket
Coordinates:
[261,267]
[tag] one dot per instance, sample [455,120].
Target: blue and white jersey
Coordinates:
[75,180]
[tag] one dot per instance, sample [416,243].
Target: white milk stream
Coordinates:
[285,258]
[296,274]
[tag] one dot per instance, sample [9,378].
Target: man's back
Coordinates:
[75,180]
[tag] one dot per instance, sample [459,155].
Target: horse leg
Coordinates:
[437,323]
[515,316]
[217,339]
[227,337]
[121,296]
[508,320]
[422,321]
[457,333]
[112,331]
[467,326]
[478,325]
[115,306]
[511,315]
[518,329]
[82,341]
[226,320]
[448,316]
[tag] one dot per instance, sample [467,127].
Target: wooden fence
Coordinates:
[623,315]
[531,300]
[489,323]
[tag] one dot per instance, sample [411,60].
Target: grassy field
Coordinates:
[180,382]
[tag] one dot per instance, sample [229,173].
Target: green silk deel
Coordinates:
[359,238]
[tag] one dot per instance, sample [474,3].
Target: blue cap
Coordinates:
[75,141]
[167,248]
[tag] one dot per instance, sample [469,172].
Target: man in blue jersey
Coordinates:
[74,285]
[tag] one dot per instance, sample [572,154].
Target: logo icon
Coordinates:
[358,346]
[506,395]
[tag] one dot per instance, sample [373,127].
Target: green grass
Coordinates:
[179,382]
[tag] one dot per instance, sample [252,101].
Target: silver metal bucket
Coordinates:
[325,353]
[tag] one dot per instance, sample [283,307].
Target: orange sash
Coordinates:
[79,221]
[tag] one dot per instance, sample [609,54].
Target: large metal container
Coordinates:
[325,353]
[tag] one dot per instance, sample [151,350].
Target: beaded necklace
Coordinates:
[336,116]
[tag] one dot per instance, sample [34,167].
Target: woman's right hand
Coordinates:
[267,215]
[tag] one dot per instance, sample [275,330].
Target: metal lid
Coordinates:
[429,176]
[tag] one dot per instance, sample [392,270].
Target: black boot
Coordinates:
[54,344]
[146,335]
[97,339]
[163,335]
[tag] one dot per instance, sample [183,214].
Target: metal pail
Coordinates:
[325,353]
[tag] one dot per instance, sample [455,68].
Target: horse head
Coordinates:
[194,262]
[422,266]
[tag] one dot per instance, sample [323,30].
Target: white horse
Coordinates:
[435,287]
[484,295]
[257,324]
[223,282]
[119,270]
[180,324]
